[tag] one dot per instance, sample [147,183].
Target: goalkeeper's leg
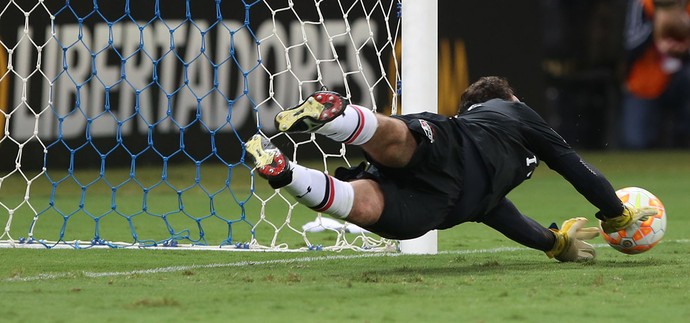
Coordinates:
[387,140]
[359,202]
[332,115]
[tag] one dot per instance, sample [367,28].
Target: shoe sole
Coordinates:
[255,147]
[268,164]
[311,114]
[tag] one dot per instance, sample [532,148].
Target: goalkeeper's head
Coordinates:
[485,89]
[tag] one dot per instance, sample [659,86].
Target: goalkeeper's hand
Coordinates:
[575,228]
[587,233]
[570,242]
[630,215]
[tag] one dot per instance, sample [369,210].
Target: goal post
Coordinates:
[123,121]
[420,82]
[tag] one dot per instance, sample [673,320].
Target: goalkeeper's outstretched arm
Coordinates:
[589,182]
[598,190]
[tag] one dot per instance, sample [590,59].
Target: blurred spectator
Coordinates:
[656,99]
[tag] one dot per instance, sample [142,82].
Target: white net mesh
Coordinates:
[123,121]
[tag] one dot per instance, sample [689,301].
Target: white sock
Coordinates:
[355,126]
[321,192]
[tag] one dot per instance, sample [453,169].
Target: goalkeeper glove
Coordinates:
[630,215]
[569,245]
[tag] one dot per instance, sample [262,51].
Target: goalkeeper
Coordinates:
[428,171]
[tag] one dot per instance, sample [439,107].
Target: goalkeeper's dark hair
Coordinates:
[485,89]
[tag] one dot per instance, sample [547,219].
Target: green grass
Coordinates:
[82,214]
[479,276]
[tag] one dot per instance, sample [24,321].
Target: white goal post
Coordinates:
[420,82]
[122,121]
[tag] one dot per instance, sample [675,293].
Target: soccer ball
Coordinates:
[642,235]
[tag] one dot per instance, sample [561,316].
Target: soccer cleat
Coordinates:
[569,245]
[270,162]
[320,108]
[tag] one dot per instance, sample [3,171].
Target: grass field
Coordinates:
[478,276]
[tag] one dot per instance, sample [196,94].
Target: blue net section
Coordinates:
[124,121]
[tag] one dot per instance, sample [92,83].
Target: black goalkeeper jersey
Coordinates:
[511,139]
[464,166]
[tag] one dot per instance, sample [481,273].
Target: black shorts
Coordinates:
[426,194]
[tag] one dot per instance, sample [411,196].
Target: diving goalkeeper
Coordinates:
[428,171]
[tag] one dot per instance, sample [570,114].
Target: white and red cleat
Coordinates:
[317,110]
[270,162]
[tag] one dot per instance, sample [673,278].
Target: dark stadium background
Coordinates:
[563,57]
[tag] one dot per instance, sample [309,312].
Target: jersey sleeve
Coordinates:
[590,183]
[539,137]
[550,147]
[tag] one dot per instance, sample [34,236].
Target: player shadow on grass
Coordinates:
[488,266]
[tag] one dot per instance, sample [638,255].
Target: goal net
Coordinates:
[122,122]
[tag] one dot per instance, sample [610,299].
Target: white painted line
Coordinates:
[190,267]
[171,269]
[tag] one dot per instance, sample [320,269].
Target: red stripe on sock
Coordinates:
[331,195]
[360,127]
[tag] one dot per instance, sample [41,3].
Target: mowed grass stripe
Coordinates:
[171,269]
